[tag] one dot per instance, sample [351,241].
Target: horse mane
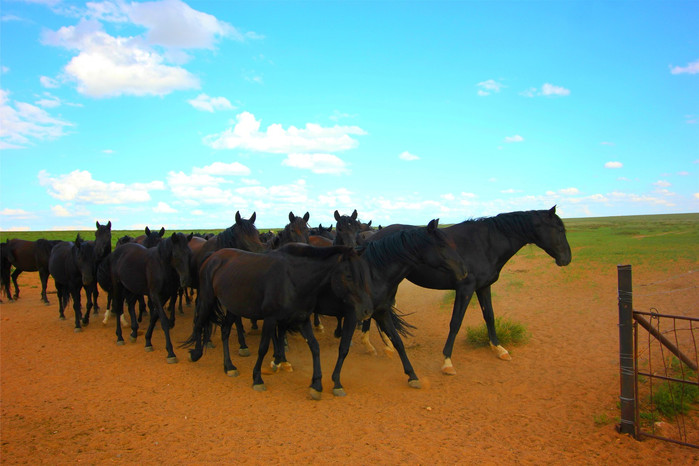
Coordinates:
[164,248]
[513,223]
[403,245]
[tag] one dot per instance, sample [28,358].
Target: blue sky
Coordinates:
[178,114]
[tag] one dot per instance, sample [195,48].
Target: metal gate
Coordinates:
[658,371]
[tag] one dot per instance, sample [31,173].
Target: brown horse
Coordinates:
[281,289]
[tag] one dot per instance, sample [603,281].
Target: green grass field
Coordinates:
[599,241]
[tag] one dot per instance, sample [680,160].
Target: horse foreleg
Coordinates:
[268,328]
[350,323]
[77,309]
[132,316]
[44,277]
[316,387]
[486,302]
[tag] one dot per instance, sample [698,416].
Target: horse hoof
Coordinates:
[120,343]
[61,318]
[390,352]
[149,349]
[272,369]
[244,352]
[415,383]
[210,344]
[314,394]
[77,330]
[339,392]
[260,387]
[233,373]
[501,352]
[448,370]
[132,339]
[171,360]
[286,367]
[320,328]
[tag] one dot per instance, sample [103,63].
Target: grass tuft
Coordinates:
[509,333]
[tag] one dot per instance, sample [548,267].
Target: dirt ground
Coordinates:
[78,397]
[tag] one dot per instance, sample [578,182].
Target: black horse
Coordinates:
[72,266]
[157,272]
[347,229]
[242,234]
[280,288]
[102,246]
[26,256]
[391,259]
[485,245]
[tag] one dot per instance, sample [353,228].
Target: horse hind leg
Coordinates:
[15,274]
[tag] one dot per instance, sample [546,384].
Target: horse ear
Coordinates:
[354,214]
[306,217]
[189,237]
[97,224]
[109,224]
[433,225]
[237,217]
[173,237]
[552,211]
[337,215]
[162,232]
[291,216]
[147,231]
[254,216]
[369,224]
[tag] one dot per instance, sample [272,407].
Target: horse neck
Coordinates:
[387,265]
[506,242]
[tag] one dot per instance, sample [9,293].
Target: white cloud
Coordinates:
[408,156]
[547,90]
[210,104]
[691,68]
[47,82]
[79,186]
[20,123]
[322,164]
[515,138]
[163,208]
[18,214]
[613,164]
[696,196]
[569,191]
[487,87]
[60,211]
[222,169]
[662,183]
[246,134]
[109,66]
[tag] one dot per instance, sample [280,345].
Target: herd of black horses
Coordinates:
[282,279]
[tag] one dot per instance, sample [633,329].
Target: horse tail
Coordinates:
[104,274]
[5,266]
[402,326]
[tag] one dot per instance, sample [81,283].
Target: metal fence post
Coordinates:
[626,360]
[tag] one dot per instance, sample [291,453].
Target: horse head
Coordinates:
[551,236]
[347,229]
[103,240]
[84,255]
[443,254]
[246,235]
[181,256]
[152,238]
[297,230]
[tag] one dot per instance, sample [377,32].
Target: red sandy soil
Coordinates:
[78,397]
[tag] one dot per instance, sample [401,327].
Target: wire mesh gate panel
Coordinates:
[659,376]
